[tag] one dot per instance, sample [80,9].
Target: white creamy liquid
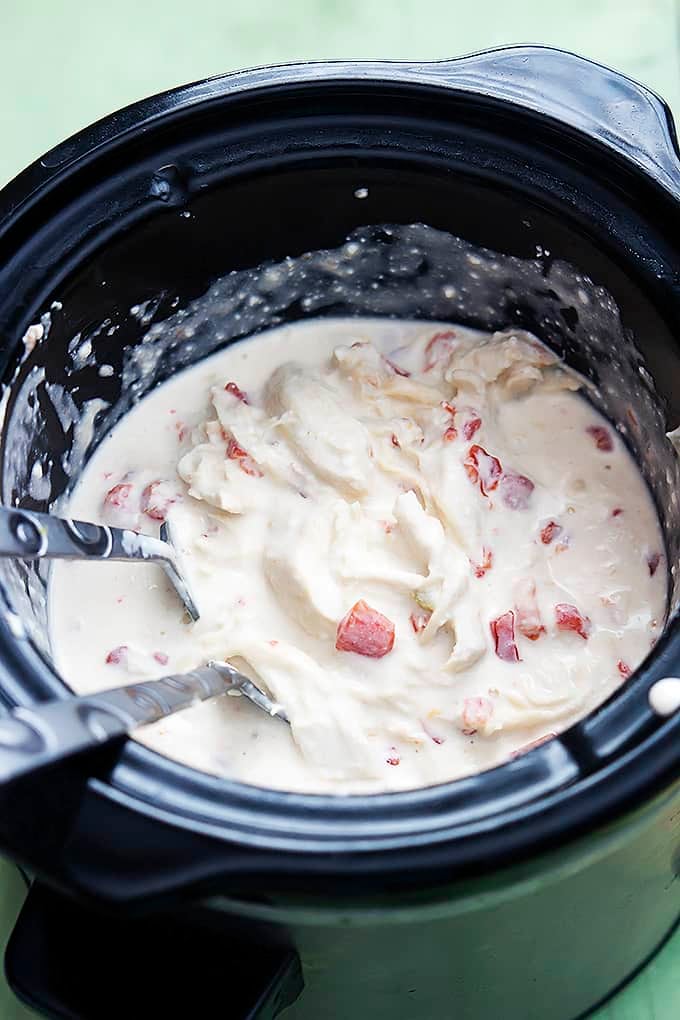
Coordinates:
[490,525]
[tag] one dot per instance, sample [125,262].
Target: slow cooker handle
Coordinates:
[599,102]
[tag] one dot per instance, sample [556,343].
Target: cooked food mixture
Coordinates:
[423,541]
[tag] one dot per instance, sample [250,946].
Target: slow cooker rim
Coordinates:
[631,787]
[387,832]
[114,127]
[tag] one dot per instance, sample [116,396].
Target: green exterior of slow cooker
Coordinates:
[543,940]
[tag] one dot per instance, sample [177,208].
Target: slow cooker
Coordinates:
[529,891]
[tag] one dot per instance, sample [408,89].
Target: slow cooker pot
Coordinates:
[528,891]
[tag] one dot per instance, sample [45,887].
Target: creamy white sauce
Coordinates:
[521,590]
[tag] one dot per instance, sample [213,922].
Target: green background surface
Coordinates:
[65,63]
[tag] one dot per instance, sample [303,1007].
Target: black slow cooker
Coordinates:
[530,891]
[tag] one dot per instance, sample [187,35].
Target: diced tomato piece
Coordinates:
[470,427]
[245,461]
[397,369]
[439,346]
[365,631]
[157,500]
[476,713]
[450,432]
[503,630]
[567,617]
[653,561]
[602,437]
[119,496]
[480,569]
[237,392]
[436,738]
[624,669]
[234,451]
[550,531]
[249,467]
[516,490]
[483,468]
[529,622]
[419,621]
[117,655]
[161,658]
[532,744]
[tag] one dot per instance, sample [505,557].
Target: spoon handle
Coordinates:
[41,736]
[29,535]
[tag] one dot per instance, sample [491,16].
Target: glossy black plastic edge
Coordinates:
[513,74]
[415,825]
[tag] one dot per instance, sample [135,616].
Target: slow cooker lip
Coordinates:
[257,817]
[661,151]
[452,828]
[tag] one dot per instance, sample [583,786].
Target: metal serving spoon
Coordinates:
[37,738]
[28,535]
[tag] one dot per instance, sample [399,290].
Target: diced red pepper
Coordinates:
[483,468]
[451,432]
[397,369]
[602,437]
[503,631]
[624,669]
[616,511]
[395,441]
[476,713]
[439,347]
[237,392]
[550,531]
[161,658]
[480,569]
[119,496]
[419,621]
[234,451]
[567,617]
[436,738]
[156,500]
[529,622]
[470,427]
[245,461]
[117,655]
[365,631]
[516,490]
[653,561]
[394,759]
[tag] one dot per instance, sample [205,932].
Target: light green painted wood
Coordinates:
[64,63]
[12,891]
